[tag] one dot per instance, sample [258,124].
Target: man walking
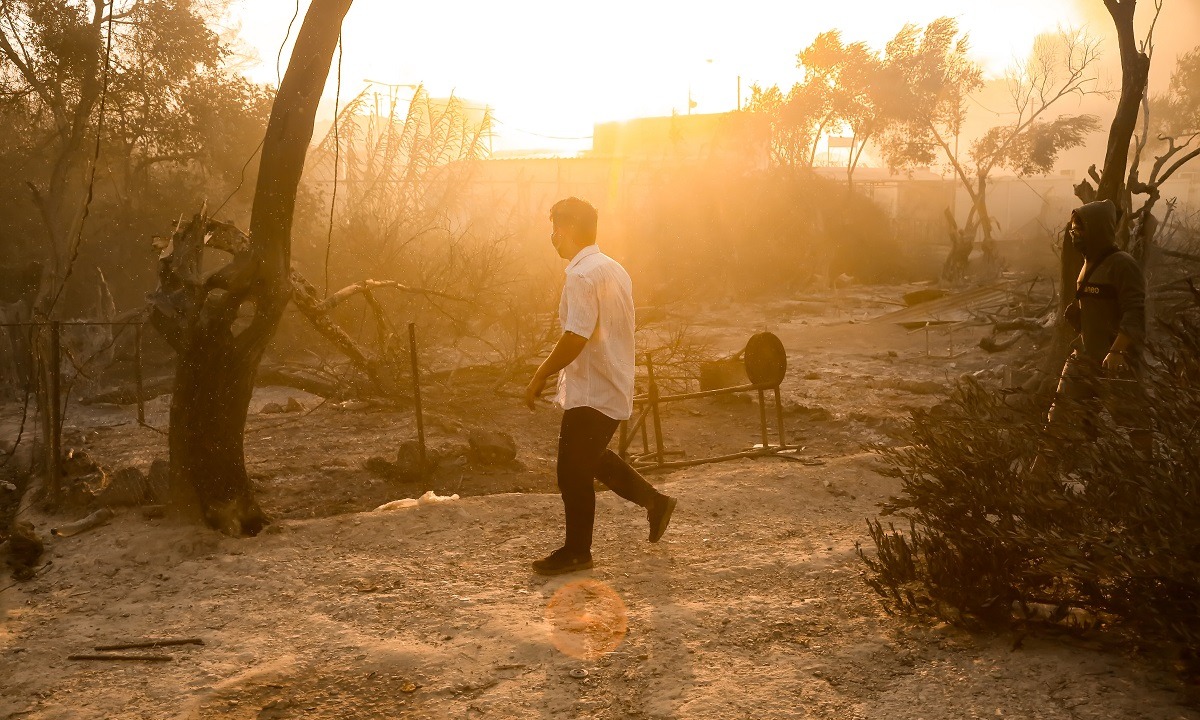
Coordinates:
[595,362]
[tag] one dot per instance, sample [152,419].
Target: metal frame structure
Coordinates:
[647,412]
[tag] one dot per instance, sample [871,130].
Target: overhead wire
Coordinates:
[997,113]
[76,243]
[550,137]
[287,36]
[337,161]
[278,81]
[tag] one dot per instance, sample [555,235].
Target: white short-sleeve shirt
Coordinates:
[597,304]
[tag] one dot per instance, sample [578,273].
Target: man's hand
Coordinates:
[1116,364]
[534,390]
[564,353]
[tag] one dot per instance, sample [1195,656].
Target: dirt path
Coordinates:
[751,608]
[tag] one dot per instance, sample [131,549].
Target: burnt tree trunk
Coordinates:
[962,244]
[991,254]
[1110,183]
[1135,73]
[220,323]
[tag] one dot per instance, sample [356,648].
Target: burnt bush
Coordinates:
[1001,513]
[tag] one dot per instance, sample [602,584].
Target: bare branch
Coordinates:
[365,286]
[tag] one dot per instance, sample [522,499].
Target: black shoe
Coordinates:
[562,561]
[660,516]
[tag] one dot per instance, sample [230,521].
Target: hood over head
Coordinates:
[1099,221]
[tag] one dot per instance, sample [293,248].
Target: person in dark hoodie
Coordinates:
[1109,313]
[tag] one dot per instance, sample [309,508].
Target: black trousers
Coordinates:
[583,456]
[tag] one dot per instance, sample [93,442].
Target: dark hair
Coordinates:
[576,213]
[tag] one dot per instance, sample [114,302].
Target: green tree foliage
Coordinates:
[854,81]
[797,120]
[175,122]
[1177,112]
[1034,150]
[933,78]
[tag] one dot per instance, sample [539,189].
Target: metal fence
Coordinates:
[44,370]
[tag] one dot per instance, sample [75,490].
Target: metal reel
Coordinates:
[765,359]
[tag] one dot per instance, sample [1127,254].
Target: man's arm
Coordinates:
[579,322]
[568,347]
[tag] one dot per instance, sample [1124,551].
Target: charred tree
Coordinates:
[1110,181]
[1135,74]
[220,323]
[962,244]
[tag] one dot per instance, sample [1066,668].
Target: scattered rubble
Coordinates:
[125,487]
[492,447]
[24,550]
[810,413]
[273,408]
[83,478]
[407,465]
[88,484]
[918,387]
[352,405]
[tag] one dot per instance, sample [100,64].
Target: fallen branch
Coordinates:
[1180,255]
[127,394]
[365,286]
[1026,324]
[150,644]
[315,309]
[992,345]
[95,520]
[138,658]
[299,379]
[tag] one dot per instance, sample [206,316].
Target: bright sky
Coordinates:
[552,68]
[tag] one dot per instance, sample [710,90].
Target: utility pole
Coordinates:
[739,99]
[488,114]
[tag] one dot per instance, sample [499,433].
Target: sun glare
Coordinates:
[551,70]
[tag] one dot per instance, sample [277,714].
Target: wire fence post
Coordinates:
[54,411]
[416,378]
[137,374]
[652,397]
[779,418]
[762,418]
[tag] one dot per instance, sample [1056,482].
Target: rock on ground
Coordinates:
[492,447]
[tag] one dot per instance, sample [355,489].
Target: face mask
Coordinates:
[1076,234]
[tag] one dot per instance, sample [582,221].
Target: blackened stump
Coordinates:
[220,323]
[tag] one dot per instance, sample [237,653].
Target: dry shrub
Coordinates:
[1091,527]
[398,215]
